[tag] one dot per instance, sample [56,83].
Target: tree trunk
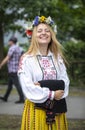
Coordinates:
[1,43]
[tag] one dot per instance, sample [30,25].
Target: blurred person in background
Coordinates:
[12,60]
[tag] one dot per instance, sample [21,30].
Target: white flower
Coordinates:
[28,26]
[48,20]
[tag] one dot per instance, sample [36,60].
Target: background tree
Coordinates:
[68,15]
[8,15]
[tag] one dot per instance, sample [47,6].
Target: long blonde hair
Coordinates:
[54,46]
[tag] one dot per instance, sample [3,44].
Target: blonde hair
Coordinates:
[54,46]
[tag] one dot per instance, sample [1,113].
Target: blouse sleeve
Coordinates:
[31,91]
[62,75]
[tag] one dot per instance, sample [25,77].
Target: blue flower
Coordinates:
[43,19]
[36,21]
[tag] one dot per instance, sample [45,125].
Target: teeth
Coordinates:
[43,37]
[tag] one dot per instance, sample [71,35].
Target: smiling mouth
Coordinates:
[43,37]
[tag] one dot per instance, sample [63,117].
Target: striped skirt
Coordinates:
[35,119]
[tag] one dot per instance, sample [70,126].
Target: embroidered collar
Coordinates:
[49,53]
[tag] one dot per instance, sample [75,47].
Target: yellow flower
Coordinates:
[42,19]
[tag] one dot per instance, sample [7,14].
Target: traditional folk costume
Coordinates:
[33,69]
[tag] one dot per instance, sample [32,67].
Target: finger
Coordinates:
[37,83]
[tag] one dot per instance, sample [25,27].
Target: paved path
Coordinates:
[76,107]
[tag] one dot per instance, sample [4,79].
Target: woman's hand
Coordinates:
[37,83]
[58,94]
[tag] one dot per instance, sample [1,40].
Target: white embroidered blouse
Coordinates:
[32,69]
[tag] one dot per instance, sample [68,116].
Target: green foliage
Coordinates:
[75,53]
[8,13]
[25,46]
[71,20]
[68,15]
[4,75]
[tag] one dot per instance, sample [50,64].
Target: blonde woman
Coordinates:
[44,61]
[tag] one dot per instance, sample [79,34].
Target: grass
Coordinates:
[76,124]
[13,122]
[4,87]
[10,122]
[74,91]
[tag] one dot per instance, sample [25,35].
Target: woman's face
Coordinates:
[43,34]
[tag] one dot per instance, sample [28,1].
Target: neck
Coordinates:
[43,51]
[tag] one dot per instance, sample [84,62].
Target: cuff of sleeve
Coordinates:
[52,95]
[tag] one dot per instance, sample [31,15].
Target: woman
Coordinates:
[43,61]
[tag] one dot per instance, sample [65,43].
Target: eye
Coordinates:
[39,30]
[47,30]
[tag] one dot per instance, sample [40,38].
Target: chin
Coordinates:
[44,43]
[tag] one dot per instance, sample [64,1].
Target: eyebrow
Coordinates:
[41,29]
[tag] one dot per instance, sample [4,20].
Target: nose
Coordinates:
[43,32]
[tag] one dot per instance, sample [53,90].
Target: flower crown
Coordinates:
[38,20]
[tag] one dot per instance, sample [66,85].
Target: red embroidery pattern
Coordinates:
[48,67]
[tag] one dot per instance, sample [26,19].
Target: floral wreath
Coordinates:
[38,20]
